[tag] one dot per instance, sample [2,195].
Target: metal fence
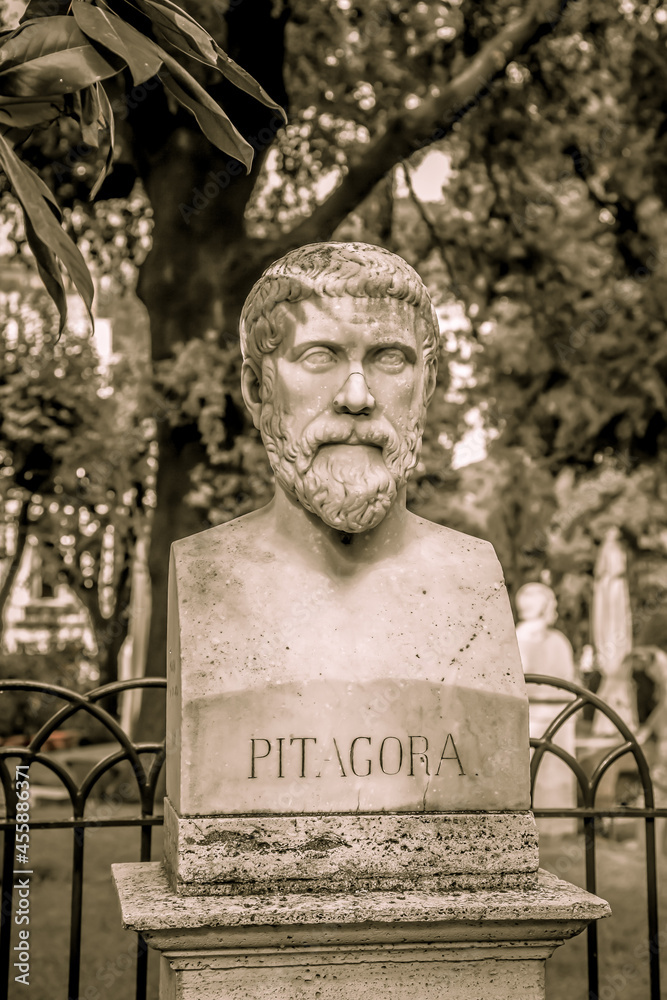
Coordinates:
[621,744]
[146,761]
[146,777]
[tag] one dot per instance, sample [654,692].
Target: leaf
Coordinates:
[244,81]
[19,113]
[212,120]
[51,56]
[87,109]
[106,112]
[174,25]
[44,8]
[141,55]
[49,271]
[46,237]
[37,38]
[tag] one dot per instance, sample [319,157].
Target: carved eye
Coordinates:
[391,359]
[320,357]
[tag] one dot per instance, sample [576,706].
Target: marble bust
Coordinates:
[333,652]
[347,752]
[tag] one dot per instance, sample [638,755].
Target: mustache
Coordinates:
[327,430]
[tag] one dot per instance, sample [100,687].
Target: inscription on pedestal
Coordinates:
[362,757]
[320,746]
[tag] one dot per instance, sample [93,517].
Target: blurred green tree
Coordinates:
[552,230]
[65,477]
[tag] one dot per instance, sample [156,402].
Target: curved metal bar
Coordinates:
[52,765]
[542,747]
[82,704]
[67,711]
[630,744]
[116,687]
[611,758]
[102,766]
[563,716]
[587,696]
[96,773]
[97,713]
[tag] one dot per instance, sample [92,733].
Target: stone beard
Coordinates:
[349,488]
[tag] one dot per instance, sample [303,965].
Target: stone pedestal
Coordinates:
[482,945]
[248,855]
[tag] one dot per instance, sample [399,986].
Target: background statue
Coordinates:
[545,650]
[612,633]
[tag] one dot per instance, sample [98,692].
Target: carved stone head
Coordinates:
[339,343]
[536,602]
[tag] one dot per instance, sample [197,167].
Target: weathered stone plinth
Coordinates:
[481,945]
[249,855]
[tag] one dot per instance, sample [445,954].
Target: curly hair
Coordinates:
[361,270]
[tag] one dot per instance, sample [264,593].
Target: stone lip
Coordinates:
[352,883]
[150,905]
[394,852]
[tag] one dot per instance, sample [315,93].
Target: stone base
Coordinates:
[241,855]
[462,945]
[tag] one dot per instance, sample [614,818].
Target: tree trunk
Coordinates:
[200,268]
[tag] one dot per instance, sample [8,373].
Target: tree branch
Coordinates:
[435,117]
[433,232]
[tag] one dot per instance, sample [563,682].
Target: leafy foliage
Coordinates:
[551,236]
[53,65]
[83,497]
[199,385]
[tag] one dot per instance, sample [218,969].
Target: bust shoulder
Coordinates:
[241,537]
[446,545]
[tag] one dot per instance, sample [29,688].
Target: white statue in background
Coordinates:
[545,650]
[612,632]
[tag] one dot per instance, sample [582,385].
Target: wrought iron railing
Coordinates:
[122,749]
[591,815]
[146,761]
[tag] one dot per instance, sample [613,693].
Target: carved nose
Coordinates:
[354,396]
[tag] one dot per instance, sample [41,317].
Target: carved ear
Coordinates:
[251,381]
[430,375]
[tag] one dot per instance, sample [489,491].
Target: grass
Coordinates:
[109,951]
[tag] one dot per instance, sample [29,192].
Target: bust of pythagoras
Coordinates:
[333,652]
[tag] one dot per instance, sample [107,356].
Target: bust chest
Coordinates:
[352,694]
[270,622]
